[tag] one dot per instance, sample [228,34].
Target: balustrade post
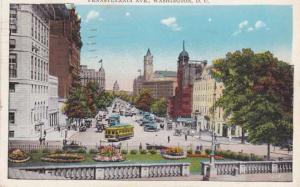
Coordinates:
[185,170]
[144,171]
[242,169]
[274,168]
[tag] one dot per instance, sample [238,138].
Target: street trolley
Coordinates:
[119,132]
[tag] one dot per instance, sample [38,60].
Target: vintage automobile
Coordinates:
[151,127]
[82,128]
[72,146]
[88,123]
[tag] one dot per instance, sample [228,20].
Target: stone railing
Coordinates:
[248,167]
[114,171]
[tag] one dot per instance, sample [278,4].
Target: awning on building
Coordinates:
[185,120]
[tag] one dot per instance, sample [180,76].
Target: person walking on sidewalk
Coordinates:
[168,139]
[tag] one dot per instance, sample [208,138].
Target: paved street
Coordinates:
[91,137]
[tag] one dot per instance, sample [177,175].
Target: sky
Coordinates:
[121,35]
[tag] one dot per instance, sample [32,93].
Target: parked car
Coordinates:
[82,128]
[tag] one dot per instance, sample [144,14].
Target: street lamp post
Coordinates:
[213,171]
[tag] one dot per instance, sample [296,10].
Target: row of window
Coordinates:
[39,69]
[39,89]
[13,65]
[39,30]
[13,20]
[204,86]
[205,110]
[39,50]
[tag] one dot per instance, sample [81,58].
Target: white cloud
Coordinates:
[171,22]
[127,14]
[260,24]
[243,24]
[250,29]
[92,15]
[209,19]
[236,32]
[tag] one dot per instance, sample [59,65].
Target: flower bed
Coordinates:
[109,154]
[173,153]
[63,157]
[204,156]
[17,156]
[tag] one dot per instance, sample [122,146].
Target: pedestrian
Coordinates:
[45,132]
[40,139]
[168,139]
[185,137]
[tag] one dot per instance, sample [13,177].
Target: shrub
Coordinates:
[81,151]
[133,152]
[124,152]
[45,150]
[143,151]
[190,151]
[93,151]
[197,152]
[207,151]
[34,151]
[152,151]
[58,151]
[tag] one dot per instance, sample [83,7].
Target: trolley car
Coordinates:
[119,132]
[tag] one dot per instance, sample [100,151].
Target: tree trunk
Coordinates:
[243,137]
[268,153]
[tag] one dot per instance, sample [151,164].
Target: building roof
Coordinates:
[184,53]
[148,53]
[160,74]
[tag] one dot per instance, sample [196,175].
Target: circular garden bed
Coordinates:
[63,157]
[109,154]
[173,153]
[17,156]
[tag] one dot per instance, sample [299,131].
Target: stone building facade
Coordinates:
[206,91]
[87,75]
[65,45]
[180,105]
[160,83]
[53,109]
[28,70]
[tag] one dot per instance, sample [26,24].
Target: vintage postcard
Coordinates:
[108,91]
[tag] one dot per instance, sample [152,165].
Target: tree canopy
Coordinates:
[258,95]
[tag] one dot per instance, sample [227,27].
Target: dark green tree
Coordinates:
[258,95]
[159,107]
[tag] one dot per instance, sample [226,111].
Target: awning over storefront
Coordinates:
[185,120]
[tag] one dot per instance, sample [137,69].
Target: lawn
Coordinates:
[137,158]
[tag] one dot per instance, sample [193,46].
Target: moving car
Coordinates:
[151,127]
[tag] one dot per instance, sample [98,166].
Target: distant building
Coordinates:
[87,75]
[116,87]
[160,83]
[204,89]
[180,105]
[65,45]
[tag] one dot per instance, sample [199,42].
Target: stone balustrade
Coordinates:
[113,171]
[248,167]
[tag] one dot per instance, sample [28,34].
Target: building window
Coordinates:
[12,87]
[12,43]
[12,28]
[11,134]
[13,65]
[11,117]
